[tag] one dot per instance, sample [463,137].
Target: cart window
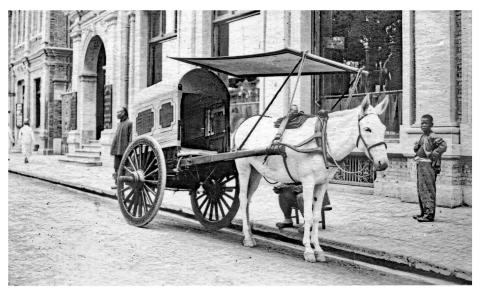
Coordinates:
[166,115]
[144,122]
[215,120]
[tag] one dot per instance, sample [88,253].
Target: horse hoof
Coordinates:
[249,242]
[309,257]
[320,257]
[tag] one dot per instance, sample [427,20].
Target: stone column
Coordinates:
[466,98]
[131,71]
[435,73]
[114,68]
[74,138]
[44,99]
[87,106]
[141,52]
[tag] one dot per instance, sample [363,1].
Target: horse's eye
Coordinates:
[367,129]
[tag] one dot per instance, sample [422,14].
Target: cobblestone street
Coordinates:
[62,237]
[357,219]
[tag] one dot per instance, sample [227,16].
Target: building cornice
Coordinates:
[56,51]
[47,52]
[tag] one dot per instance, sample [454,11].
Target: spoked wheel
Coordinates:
[141,181]
[215,203]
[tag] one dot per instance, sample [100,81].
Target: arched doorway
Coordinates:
[100,92]
[94,69]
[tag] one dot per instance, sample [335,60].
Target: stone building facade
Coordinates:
[39,58]
[119,56]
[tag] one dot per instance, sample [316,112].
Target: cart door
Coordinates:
[204,124]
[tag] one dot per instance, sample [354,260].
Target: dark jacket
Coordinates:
[122,138]
[432,147]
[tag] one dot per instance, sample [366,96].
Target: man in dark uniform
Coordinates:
[122,138]
[428,152]
[290,197]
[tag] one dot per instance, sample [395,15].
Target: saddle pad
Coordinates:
[295,120]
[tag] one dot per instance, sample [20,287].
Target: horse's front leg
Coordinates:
[308,189]
[319,192]
[244,170]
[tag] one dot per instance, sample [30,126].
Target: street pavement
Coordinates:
[59,236]
[364,222]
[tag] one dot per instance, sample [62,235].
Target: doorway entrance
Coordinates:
[100,117]
[93,89]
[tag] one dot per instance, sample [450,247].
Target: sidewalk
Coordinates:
[365,224]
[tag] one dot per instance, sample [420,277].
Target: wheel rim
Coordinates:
[140,181]
[216,197]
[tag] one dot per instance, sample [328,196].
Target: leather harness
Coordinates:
[320,137]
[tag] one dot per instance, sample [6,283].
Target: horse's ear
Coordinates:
[381,107]
[365,104]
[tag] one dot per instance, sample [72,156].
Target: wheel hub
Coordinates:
[138,179]
[213,189]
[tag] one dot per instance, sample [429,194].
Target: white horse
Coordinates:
[359,127]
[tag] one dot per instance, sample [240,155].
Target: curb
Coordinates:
[350,251]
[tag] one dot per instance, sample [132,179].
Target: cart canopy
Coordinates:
[269,64]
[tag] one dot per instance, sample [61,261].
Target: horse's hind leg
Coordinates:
[317,214]
[244,170]
[253,183]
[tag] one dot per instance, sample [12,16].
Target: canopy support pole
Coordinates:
[270,103]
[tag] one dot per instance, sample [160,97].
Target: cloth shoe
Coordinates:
[417,216]
[425,219]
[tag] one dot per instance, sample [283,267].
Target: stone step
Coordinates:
[78,156]
[93,142]
[87,163]
[88,152]
[92,147]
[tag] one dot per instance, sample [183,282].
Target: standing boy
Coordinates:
[428,152]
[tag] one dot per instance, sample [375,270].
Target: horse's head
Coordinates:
[372,132]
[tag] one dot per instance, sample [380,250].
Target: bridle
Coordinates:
[360,137]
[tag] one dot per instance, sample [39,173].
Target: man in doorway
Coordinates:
[428,152]
[26,139]
[123,137]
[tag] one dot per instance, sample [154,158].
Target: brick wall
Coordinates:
[454,183]
[58,28]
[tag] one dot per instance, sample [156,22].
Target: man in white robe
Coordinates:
[26,139]
[11,141]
